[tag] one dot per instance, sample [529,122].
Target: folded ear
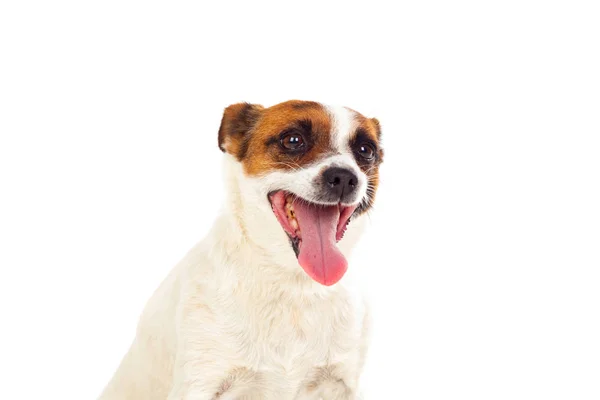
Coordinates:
[377,125]
[236,126]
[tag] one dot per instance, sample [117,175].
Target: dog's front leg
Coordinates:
[207,369]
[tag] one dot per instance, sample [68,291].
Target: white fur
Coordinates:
[344,124]
[237,318]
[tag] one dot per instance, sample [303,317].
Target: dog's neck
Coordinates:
[250,230]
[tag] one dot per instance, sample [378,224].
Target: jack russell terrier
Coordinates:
[259,309]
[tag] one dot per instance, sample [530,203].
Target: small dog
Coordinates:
[257,309]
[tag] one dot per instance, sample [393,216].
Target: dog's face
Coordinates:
[315,167]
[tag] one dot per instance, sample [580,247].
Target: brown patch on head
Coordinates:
[253,134]
[303,105]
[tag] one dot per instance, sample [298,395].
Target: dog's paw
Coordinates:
[324,384]
[240,384]
[335,391]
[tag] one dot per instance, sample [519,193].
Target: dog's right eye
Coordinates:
[292,141]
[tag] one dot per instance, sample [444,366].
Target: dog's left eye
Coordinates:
[292,141]
[366,151]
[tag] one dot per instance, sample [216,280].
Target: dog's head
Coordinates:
[305,171]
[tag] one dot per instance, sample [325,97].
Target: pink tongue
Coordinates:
[319,255]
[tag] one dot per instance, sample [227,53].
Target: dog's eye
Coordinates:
[366,151]
[292,141]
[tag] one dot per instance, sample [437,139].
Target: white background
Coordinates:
[484,250]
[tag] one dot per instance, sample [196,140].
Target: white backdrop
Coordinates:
[484,250]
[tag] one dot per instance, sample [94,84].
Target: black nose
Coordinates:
[340,182]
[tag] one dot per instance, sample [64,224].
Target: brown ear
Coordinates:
[377,125]
[238,120]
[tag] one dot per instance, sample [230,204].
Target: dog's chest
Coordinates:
[285,338]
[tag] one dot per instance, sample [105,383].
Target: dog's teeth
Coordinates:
[291,215]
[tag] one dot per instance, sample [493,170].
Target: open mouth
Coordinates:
[314,230]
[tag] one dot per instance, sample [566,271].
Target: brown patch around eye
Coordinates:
[365,144]
[368,132]
[266,150]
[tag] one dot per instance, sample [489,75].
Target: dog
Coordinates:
[262,308]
